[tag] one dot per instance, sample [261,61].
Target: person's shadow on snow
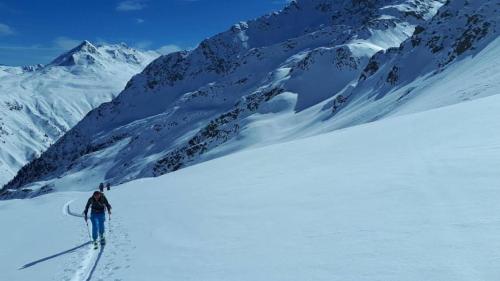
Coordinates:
[54,256]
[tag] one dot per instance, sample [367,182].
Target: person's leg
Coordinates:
[102,218]
[95,225]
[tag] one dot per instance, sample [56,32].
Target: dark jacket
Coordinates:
[97,206]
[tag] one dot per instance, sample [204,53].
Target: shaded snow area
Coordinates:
[38,104]
[411,197]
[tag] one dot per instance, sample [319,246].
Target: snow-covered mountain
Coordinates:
[314,67]
[38,104]
[453,58]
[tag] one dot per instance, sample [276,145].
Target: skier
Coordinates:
[108,186]
[101,187]
[98,204]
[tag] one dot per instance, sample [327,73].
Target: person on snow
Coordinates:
[108,186]
[101,187]
[98,204]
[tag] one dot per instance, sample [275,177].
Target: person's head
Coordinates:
[101,185]
[96,195]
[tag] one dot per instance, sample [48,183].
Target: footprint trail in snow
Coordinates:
[103,263]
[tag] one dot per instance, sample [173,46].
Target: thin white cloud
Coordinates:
[100,41]
[5,30]
[139,21]
[130,5]
[167,49]
[143,45]
[66,43]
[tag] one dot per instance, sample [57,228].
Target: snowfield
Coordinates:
[411,197]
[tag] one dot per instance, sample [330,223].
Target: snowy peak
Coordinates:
[85,53]
[85,46]
[329,21]
[123,53]
[306,16]
[38,104]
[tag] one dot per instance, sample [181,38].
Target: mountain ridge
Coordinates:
[203,105]
[42,102]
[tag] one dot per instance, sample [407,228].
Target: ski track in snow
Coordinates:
[97,264]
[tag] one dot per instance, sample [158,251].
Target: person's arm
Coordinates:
[108,206]
[87,208]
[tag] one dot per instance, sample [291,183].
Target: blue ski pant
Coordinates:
[97,220]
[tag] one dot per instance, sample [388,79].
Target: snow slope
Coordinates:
[38,104]
[407,198]
[261,82]
[454,58]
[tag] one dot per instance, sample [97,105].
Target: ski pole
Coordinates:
[109,223]
[88,230]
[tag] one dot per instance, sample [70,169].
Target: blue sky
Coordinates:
[36,31]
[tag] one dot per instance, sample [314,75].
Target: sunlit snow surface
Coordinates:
[412,197]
